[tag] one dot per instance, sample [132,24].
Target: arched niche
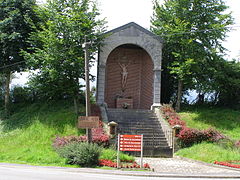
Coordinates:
[123,37]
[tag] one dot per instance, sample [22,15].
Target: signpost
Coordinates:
[88,122]
[87,91]
[129,142]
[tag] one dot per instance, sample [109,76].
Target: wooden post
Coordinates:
[141,165]
[87,91]
[118,159]
[7,92]
[173,140]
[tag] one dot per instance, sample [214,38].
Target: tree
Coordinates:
[16,23]
[193,31]
[60,59]
[227,83]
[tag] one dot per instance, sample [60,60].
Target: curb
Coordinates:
[122,172]
[207,164]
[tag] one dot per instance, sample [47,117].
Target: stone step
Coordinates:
[132,114]
[132,121]
[145,133]
[155,129]
[159,145]
[144,129]
[129,110]
[154,152]
[138,125]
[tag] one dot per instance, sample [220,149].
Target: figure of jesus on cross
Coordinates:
[124,75]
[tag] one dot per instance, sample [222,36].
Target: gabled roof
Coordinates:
[140,28]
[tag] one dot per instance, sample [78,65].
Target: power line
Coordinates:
[10,65]
[204,30]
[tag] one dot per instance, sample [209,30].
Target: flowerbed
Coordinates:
[189,136]
[124,164]
[98,137]
[233,164]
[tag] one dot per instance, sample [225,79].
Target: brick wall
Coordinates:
[139,85]
[146,98]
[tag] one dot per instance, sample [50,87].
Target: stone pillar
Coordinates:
[156,88]
[101,84]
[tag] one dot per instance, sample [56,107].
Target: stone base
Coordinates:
[155,106]
[124,103]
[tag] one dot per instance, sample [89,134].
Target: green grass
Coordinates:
[111,154]
[209,152]
[226,121]
[26,137]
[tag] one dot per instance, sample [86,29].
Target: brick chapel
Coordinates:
[129,68]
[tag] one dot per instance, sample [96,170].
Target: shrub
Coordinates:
[189,136]
[62,141]
[82,154]
[171,116]
[98,136]
[21,94]
[214,135]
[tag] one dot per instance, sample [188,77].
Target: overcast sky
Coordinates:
[120,12]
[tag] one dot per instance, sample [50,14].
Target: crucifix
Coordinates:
[124,75]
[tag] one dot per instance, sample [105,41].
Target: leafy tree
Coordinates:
[193,30]
[17,18]
[60,59]
[227,83]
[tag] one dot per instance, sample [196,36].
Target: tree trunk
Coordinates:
[7,92]
[179,95]
[76,104]
[200,98]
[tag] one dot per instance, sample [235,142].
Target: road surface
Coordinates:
[15,172]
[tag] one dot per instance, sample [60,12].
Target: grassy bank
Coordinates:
[26,137]
[209,152]
[226,121]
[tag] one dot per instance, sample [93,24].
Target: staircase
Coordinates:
[132,121]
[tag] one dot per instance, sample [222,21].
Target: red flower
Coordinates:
[146,165]
[228,163]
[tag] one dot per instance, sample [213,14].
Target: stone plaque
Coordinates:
[124,103]
[88,122]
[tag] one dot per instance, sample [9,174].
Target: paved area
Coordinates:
[184,166]
[164,168]
[16,172]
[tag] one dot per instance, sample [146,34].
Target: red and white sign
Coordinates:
[130,142]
